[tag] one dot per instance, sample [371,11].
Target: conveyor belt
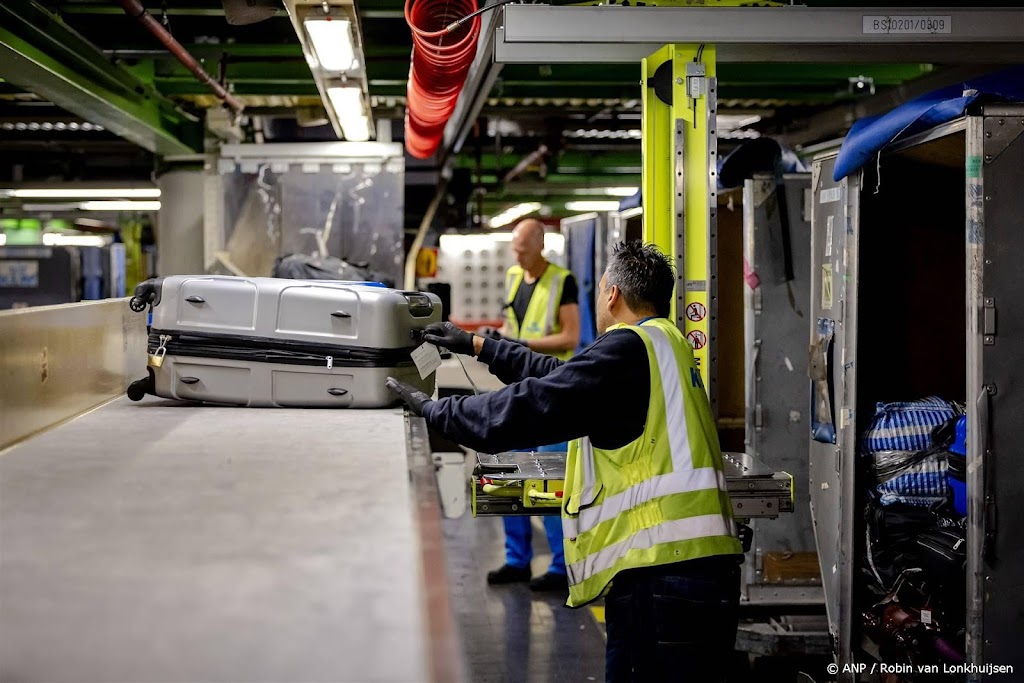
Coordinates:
[164,542]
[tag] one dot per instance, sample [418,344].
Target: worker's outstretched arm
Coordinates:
[508,361]
[565,340]
[511,361]
[579,397]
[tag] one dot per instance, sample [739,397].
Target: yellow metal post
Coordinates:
[680,187]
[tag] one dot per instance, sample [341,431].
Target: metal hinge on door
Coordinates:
[988,321]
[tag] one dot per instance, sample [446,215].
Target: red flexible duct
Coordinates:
[440,62]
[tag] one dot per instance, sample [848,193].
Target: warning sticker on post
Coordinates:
[427,359]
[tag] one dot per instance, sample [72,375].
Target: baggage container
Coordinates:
[269,342]
[916,275]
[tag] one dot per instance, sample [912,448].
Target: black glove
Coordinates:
[412,396]
[449,336]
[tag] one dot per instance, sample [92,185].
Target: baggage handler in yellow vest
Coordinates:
[542,313]
[647,519]
[541,310]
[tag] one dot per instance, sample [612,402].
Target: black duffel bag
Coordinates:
[306,267]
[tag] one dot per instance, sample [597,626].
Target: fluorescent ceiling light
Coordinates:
[606,191]
[119,206]
[348,106]
[592,205]
[54,240]
[83,193]
[513,213]
[332,42]
[553,241]
[731,122]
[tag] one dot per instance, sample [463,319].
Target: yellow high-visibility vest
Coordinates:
[659,499]
[542,314]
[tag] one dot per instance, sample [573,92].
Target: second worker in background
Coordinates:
[541,313]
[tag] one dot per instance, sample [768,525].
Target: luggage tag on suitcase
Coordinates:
[156,359]
[427,359]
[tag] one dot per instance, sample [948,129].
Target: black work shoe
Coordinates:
[550,582]
[508,574]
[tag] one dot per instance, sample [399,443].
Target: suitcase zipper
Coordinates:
[273,351]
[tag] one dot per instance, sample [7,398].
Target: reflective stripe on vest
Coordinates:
[686,529]
[658,499]
[682,479]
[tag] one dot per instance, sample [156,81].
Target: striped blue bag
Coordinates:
[923,483]
[907,426]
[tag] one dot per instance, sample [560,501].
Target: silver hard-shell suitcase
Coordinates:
[266,342]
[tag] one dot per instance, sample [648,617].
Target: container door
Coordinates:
[995,377]
[831,368]
[580,236]
[776,293]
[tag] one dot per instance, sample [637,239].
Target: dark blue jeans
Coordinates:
[674,622]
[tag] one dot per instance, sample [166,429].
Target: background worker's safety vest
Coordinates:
[659,499]
[542,314]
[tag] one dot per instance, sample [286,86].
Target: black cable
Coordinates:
[459,22]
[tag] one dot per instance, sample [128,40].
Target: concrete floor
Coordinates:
[509,633]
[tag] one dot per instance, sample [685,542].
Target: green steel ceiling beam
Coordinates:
[42,54]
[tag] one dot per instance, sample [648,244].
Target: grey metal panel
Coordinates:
[792,24]
[1002,172]
[776,315]
[834,259]
[977,396]
[630,53]
[546,34]
[59,361]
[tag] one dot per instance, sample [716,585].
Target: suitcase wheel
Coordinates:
[138,389]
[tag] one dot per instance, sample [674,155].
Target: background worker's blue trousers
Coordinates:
[519,533]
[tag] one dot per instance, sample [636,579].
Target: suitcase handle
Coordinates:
[189,380]
[341,314]
[337,392]
[195,299]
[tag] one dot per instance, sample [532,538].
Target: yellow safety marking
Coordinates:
[598,612]
[662,203]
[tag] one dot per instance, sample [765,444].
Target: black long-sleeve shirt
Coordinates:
[603,392]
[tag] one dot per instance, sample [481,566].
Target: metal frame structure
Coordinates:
[993,149]
[679,145]
[40,52]
[615,34]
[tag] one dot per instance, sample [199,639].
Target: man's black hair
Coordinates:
[643,275]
